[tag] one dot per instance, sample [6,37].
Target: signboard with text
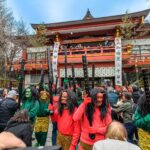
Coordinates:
[55,60]
[118,61]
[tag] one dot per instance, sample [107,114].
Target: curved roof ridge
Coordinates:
[107,18]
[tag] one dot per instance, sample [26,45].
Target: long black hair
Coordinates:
[71,102]
[90,107]
[34,95]
[144,105]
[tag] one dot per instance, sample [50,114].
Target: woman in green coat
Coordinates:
[42,120]
[142,121]
[30,103]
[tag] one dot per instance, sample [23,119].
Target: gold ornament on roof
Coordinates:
[117,33]
[57,38]
[142,20]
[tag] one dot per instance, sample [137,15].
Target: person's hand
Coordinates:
[147,118]
[87,100]
[50,107]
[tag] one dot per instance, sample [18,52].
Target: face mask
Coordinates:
[43,96]
[64,98]
[28,93]
[99,100]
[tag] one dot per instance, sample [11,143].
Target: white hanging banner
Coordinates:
[55,61]
[118,61]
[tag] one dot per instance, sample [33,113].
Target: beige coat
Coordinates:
[111,144]
[9,141]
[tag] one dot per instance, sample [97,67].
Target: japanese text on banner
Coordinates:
[118,61]
[55,60]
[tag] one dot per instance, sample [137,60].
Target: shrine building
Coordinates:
[93,37]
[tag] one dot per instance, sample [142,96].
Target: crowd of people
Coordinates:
[107,119]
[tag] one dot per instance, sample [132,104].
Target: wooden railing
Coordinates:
[90,50]
[103,50]
[93,54]
[140,59]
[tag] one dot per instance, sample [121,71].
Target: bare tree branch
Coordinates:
[13,36]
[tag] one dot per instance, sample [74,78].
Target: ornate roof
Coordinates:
[88,15]
[93,20]
[83,29]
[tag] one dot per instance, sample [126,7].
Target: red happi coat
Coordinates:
[67,126]
[98,125]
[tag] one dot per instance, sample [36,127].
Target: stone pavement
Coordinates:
[49,135]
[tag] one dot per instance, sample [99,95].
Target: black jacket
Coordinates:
[7,109]
[135,96]
[22,130]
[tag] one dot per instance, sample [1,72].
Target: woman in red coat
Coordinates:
[95,115]
[68,129]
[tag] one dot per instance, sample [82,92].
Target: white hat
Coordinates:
[12,93]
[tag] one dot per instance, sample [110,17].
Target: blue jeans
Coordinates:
[130,131]
[54,133]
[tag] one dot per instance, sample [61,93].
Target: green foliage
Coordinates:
[40,39]
[140,82]
[127,27]
[144,30]
[4,82]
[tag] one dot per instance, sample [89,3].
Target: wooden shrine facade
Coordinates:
[93,37]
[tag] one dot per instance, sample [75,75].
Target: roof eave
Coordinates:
[100,19]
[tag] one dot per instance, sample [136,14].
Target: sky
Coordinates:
[51,11]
